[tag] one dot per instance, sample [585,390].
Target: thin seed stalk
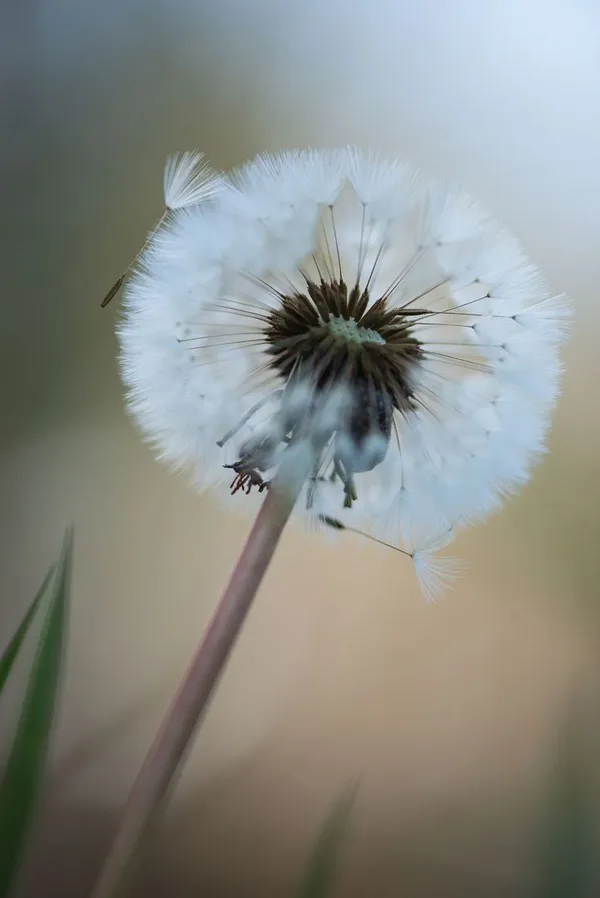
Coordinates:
[175,735]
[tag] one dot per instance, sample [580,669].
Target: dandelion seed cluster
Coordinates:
[341,302]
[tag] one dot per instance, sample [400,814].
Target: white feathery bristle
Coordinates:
[188,180]
[436,574]
[555,311]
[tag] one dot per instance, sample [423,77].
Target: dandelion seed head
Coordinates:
[339,303]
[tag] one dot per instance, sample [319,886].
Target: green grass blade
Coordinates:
[568,835]
[320,874]
[22,778]
[12,650]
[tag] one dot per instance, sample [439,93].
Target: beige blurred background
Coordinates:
[453,715]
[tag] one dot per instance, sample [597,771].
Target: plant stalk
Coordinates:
[189,704]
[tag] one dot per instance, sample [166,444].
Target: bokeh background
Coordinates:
[467,722]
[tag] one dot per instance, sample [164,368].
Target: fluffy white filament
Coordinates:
[188,180]
[195,361]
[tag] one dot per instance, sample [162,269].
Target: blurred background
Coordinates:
[473,725]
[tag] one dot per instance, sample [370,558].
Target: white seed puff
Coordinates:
[341,302]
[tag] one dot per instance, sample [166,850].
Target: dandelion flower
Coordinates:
[357,342]
[343,304]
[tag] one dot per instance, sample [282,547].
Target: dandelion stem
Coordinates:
[187,707]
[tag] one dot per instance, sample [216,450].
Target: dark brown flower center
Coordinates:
[329,338]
